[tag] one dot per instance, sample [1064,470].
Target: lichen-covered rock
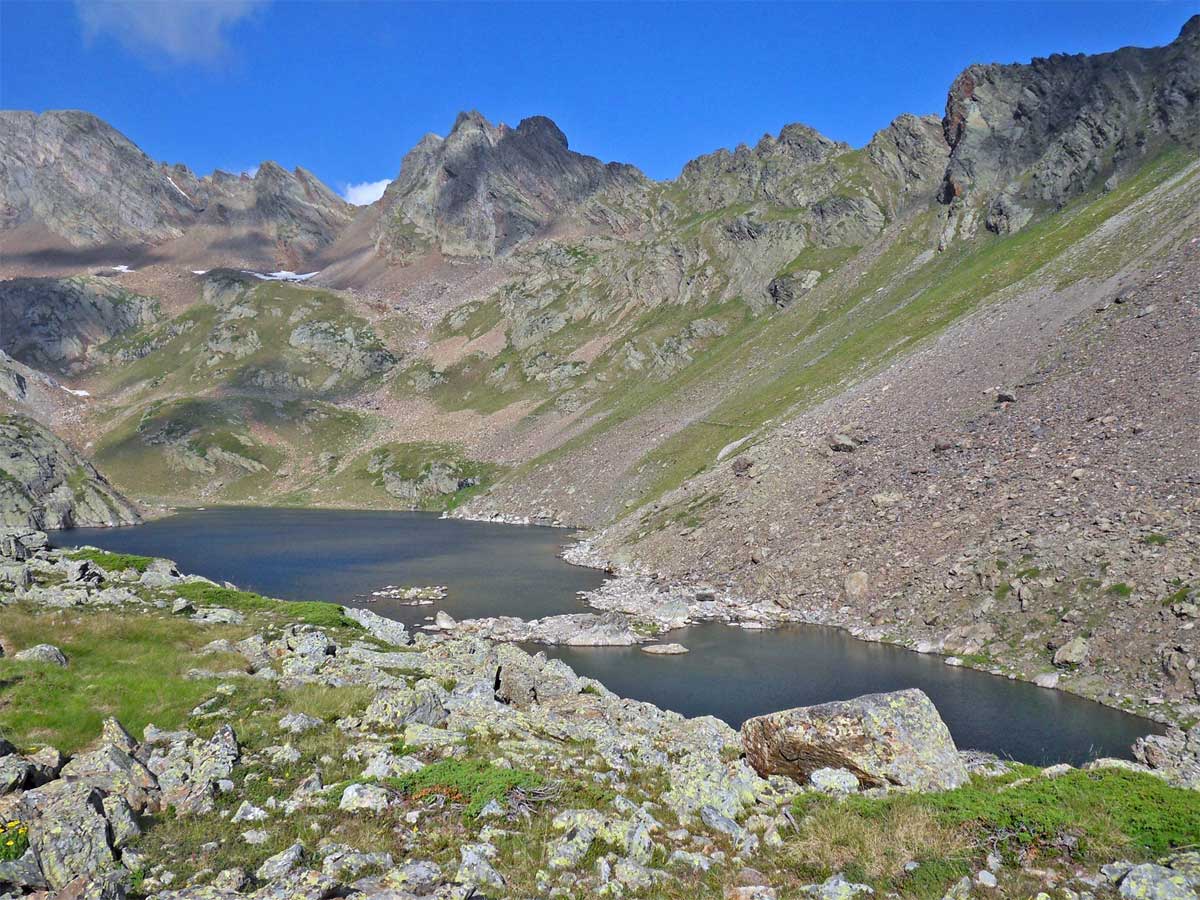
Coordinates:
[69,834]
[188,771]
[476,869]
[1152,882]
[114,770]
[397,707]
[365,798]
[895,739]
[281,864]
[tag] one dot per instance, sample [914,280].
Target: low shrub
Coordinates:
[471,782]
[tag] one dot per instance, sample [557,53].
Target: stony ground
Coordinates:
[177,739]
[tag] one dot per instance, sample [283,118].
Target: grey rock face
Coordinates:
[484,187]
[44,483]
[770,170]
[893,739]
[1023,136]
[58,324]
[86,182]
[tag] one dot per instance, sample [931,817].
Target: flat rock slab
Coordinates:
[896,739]
[664,649]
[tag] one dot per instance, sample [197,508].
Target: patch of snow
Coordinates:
[121,268]
[73,392]
[178,188]
[283,275]
[199,271]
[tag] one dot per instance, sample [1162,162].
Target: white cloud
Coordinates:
[180,31]
[366,193]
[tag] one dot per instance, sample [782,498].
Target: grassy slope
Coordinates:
[191,423]
[779,364]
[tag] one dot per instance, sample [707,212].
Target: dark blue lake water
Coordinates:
[341,556]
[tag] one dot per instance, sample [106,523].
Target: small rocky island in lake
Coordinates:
[935,390]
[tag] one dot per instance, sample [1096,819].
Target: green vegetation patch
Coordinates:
[423,466]
[128,666]
[1094,815]
[323,615]
[14,840]
[472,782]
[112,562]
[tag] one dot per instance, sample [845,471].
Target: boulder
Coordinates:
[365,798]
[69,834]
[397,707]
[1158,883]
[42,653]
[896,739]
[856,586]
[1073,653]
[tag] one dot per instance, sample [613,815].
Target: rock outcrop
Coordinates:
[484,188]
[895,739]
[44,483]
[1026,137]
[58,324]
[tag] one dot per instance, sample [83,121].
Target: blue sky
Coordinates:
[345,89]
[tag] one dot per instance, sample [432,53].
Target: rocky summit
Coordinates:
[938,390]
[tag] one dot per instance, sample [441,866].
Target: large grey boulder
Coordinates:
[42,653]
[895,739]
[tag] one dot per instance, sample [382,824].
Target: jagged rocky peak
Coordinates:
[911,151]
[84,181]
[1024,137]
[484,188]
[778,170]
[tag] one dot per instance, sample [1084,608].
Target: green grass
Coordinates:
[1095,815]
[128,666]
[1155,539]
[472,782]
[112,562]
[322,615]
[820,259]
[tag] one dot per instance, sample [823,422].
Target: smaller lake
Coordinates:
[490,570]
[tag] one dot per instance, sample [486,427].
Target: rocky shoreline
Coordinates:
[675,603]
